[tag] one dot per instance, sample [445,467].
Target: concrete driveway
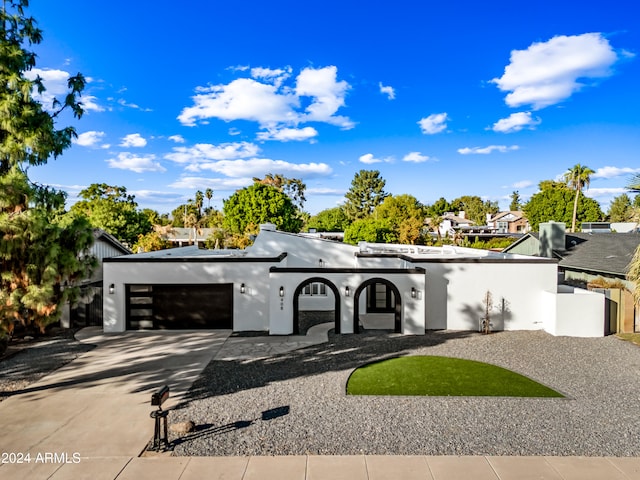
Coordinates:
[99,404]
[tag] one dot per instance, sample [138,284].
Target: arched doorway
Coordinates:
[386,299]
[311,282]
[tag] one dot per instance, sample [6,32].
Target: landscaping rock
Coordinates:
[182,428]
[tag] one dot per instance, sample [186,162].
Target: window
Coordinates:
[315,288]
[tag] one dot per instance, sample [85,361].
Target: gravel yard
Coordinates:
[27,361]
[296,404]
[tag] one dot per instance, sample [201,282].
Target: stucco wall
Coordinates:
[455,294]
[281,308]
[579,313]
[250,309]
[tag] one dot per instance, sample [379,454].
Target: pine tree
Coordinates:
[365,194]
[43,250]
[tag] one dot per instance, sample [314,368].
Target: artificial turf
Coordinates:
[442,376]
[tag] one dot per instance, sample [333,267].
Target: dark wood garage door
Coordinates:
[180,306]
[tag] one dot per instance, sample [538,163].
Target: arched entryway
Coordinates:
[385,299]
[311,282]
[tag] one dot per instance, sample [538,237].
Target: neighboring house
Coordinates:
[598,259]
[88,311]
[408,288]
[451,223]
[509,222]
[181,237]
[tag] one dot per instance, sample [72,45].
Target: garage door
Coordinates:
[179,306]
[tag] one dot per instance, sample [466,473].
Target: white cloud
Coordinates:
[273,105]
[516,122]
[610,172]
[257,167]
[133,140]
[89,139]
[522,184]
[288,134]
[217,184]
[369,159]
[388,91]
[275,76]
[605,192]
[135,106]
[206,152]
[177,138]
[90,104]
[242,99]
[328,95]
[325,191]
[434,123]
[136,163]
[416,157]
[547,73]
[487,150]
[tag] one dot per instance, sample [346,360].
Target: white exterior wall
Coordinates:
[281,308]
[578,313]
[455,294]
[304,251]
[250,310]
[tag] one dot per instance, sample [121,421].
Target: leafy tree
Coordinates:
[621,209]
[150,242]
[634,184]
[292,187]
[398,208]
[113,210]
[258,204]
[329,220]
[577,177]
[180,213]
[553,203]
[475,208]
[43,251]
[410,231]
[439,208]
[365,194]
[370,230]
[515,204]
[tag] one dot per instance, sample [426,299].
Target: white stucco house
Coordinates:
[415,288]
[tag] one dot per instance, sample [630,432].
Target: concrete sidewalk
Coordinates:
[331,468]
[90,419]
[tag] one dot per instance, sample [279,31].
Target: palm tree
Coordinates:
[634,184]
[577,177]
[209,194]
[199,200]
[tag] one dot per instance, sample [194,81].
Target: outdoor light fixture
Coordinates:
[346,291]
[112,289]
[282,291]
[243,289]
[414,292]
[320,262]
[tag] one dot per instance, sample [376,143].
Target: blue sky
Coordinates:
[443,98]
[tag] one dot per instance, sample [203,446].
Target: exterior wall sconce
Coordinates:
[281,292]
[320,263]
[414,292]
[243,289]
[347,292]
[112,289]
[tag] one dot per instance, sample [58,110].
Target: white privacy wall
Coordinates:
[455,293]
[250,310]
[576,312]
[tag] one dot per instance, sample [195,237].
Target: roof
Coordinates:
[500,215]
[602,253]
[599,252]
[103,236]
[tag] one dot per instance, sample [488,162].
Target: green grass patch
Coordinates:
[442,376]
